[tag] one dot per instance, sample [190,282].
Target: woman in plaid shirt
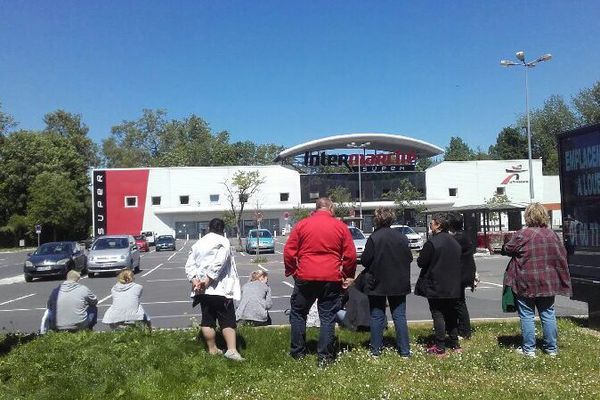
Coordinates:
[537,272]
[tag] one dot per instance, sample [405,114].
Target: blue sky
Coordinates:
[286,72]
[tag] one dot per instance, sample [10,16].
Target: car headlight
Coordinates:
[28,264]
[91,258]
[63,261]
[123,256]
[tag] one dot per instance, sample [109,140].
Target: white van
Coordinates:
[149,237]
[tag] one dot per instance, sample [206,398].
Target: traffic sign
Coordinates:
[259,216]
[286,215]
[38,229]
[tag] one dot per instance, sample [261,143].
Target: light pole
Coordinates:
[527,64]
[359,146]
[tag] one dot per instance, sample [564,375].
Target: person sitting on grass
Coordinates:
[72,306]
[256,301]
[126,309]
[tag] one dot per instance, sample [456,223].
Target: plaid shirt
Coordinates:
[538,267]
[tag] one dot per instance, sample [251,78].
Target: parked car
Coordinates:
[260,238]
[141,243]
[360,240]
[150,237]
[165,242]
[415,241]
[54,259]
[113,253]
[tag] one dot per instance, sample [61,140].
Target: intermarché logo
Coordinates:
[514,172]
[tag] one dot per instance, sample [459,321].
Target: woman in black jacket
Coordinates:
[440,282]
[387,259]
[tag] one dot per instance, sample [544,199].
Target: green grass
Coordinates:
[174,365]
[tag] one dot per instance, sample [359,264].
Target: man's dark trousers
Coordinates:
[328,299]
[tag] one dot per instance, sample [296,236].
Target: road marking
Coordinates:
[174,316]
[242,253]
[172,255]
[12,279]
[24,309]
[166,280]
[152,270]
[287,283]
[281,297]
[167,268]
[263,268]
[278,252]
[104,299]
[17,299]
[492,283]
[167,302]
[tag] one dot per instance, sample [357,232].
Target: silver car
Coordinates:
[113,253]
[360,241]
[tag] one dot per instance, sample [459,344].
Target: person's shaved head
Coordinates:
[324,203]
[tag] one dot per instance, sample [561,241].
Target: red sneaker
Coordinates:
[436,351]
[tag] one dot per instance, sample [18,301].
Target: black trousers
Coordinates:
[445,319]
[464,320]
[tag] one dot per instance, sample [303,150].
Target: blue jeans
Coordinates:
[327,295]
[545,305]
[379,322]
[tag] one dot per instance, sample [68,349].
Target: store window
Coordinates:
[184,200]
[156,200]
[452,192]
[500,191]
[284,196]
[314,195]
[131,201]
[214,198]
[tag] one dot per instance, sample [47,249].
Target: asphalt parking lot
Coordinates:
[166,290]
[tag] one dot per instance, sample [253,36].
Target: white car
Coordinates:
[359,239]
[415,241]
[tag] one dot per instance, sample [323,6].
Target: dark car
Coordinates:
[165,242]
[54,259]
[141,243]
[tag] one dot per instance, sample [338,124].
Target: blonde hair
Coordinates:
[125,276]
[384,217]
[536,215]
[256,275]
[73,275]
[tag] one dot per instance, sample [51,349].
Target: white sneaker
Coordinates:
[530,354]
[551,353]
[233,355]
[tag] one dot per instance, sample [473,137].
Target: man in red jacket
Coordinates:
[321,256]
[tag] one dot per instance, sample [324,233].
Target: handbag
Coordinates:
[508,300]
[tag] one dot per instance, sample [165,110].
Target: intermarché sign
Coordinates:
[396,161]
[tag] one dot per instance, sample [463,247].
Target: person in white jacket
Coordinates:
[126,308]
[215,285]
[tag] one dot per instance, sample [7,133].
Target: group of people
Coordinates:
[321,258]
[73,306]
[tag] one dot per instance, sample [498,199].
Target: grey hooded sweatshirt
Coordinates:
[126,305]
[72,305]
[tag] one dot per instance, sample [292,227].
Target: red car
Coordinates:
[141,243]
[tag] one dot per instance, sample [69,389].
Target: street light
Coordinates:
[522,63]
[359,146]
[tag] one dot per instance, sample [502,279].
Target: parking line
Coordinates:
[263,268]
[278,252]
[152,270]
[166,280]
[172,255]
[242,253]
[104,299]
[287,283]
[281,297]
[12,279]
[17,299]
[492,283]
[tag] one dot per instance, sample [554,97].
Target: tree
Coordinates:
[587,105]
[406,197]
[71,127]
[242,186]
[54,203]
[511,143]
[546,123]
[17,228]
[342,200]
[424,163]
[299,213]
[458,150]
[7,122]
[497,200]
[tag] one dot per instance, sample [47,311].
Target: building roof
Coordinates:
[478,207]
[377,141]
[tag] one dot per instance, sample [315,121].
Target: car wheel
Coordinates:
[136,269]
[91,275]
[28,278]
[157,249]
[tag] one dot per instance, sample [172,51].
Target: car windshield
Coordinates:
[261,234]
[405,230]
[110,243]
[356,234]
[139,238]
[165,239]
[53,248]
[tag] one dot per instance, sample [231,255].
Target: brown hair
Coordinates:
[125,276]
[256,275]
[536,215]
[384,217]
[324,203]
